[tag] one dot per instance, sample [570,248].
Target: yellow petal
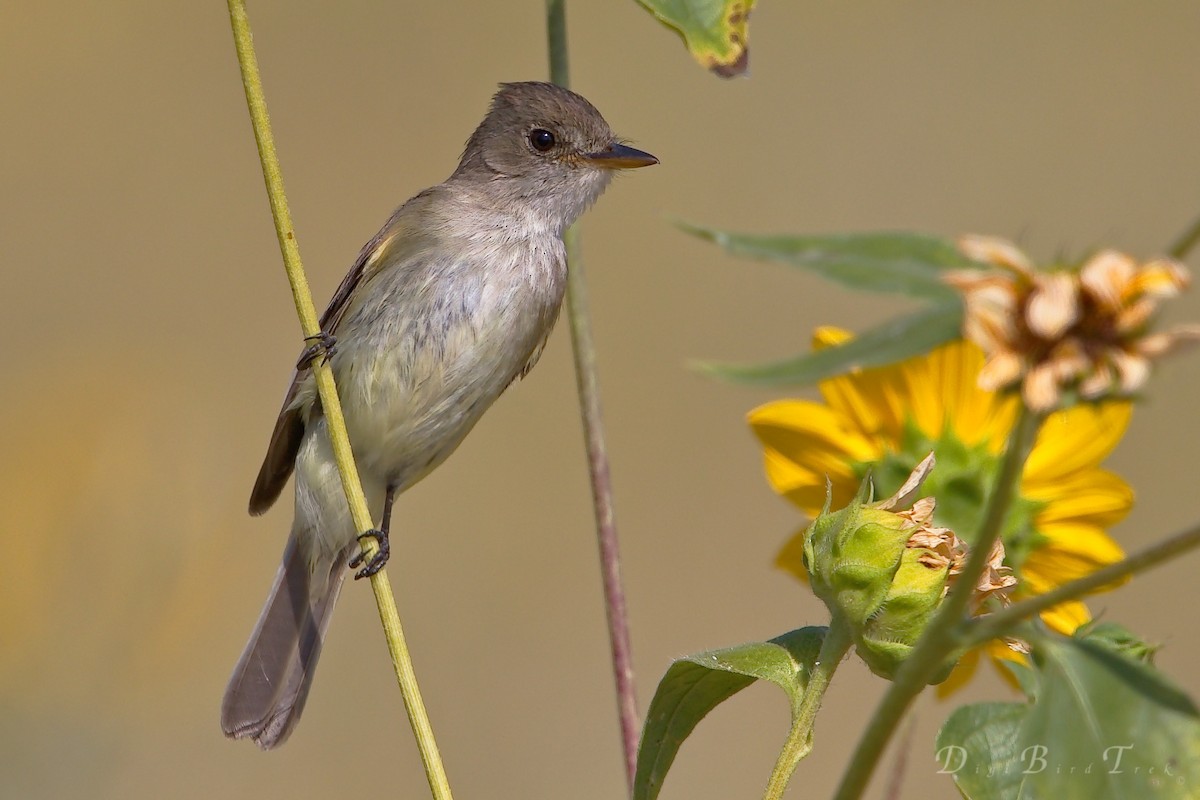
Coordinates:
[1066,617]
[1162,278]
[868,401]
[1078,438]
[866,398]
[790,557]
[960,676]
[1000,653]
[999,650]
[941,392]
[798,484]
[829,335]
[1096,496]
[806,442]
[1072,550]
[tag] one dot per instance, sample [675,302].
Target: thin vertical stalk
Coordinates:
[1186,241]
[593,430]
[943,635]
[838,639]
[397,646]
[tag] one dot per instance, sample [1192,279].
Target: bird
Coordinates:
[446,306]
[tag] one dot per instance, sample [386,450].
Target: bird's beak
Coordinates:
[619,156]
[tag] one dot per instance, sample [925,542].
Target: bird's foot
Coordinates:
[323,346]
[376,562]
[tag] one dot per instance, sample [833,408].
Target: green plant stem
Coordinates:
[1186,241]
[999,622]
[942,636]
[401,661]
[799,742]
[588,387]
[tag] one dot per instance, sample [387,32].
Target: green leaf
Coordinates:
[891,342]
[1103,727]
[695,685]
[897,262]
[715,31]
[979,745]
[1118,638]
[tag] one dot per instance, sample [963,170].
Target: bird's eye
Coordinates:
[541,139]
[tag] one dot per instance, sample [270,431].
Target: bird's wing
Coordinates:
[295,415]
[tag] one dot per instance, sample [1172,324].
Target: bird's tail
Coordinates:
[271,680]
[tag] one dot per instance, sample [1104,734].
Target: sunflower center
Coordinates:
[962,481]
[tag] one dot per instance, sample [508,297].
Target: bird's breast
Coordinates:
[435,341]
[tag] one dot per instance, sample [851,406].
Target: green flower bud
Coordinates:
[915,593]
[852,555]
[883,571]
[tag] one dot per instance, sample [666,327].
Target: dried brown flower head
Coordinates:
[1085,329]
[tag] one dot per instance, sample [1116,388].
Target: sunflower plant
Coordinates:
[984,419]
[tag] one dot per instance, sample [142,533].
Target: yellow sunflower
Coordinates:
[886,419]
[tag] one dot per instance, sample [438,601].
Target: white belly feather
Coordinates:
[418,361]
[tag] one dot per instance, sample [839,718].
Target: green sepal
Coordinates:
[889,635]
[851,555]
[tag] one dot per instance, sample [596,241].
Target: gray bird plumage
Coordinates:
[445,307]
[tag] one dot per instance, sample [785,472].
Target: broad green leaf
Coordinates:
[889,343]
[715,31]
[904,263]
[695,685]
[980,746]
[1103,727]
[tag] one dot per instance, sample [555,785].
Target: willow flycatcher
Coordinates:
[445,307]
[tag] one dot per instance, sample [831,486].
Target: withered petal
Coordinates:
[995,250]
[1053,306]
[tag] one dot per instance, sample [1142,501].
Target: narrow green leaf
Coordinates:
[897,262]
[716,32]
[1103,727]
[695,685]
[891,342]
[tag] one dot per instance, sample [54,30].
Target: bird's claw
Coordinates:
[376,562]
[323,346]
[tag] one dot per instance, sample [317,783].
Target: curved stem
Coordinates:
[1186,241]
[588,386]
[398,648]
[942,636]
[799,742]
[999,622]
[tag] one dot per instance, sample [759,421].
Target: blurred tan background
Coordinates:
[148,336]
